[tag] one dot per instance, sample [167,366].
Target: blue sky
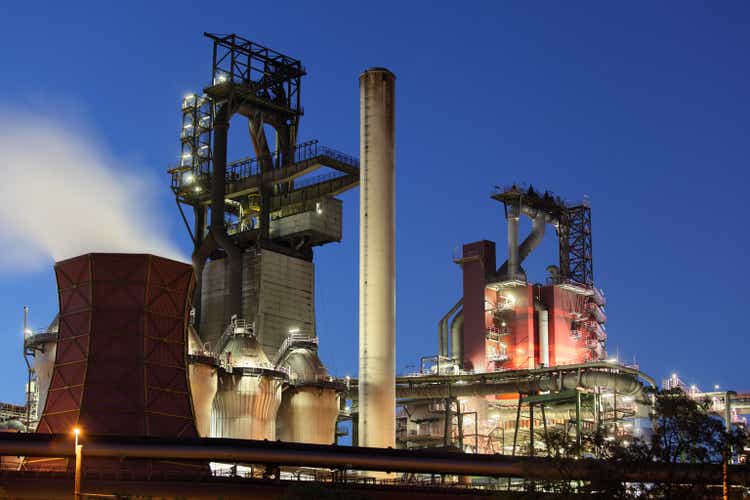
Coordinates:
[643,106]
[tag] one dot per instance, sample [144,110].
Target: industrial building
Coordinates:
[227,348]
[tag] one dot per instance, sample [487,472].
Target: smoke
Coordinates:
[63,195]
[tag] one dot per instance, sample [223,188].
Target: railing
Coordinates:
[294,339]
[318,179]
[494,332]
[305,154]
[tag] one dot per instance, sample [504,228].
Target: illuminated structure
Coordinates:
[505,322]
[377,257]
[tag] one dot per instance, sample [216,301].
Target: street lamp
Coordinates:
[79,460]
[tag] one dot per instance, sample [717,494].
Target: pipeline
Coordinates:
[538,227]
[217,236]
[624,384]
[368,459]
[443,329]
[457,338]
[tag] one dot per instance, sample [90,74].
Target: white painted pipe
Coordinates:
[377,290]
[513,250]
[544,337]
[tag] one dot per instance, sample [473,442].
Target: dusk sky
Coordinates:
[641,106]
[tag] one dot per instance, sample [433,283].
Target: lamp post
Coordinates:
[79,460]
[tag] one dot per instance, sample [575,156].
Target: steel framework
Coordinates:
[576,256]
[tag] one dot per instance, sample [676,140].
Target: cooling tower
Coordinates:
[120,366]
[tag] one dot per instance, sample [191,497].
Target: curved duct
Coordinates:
[443,329]
[457,337]
[217,236]
[538,227]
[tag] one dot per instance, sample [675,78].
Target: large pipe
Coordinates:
[443,333]
[519,253]
[457,338]
[544,337]
[377,287]
[218,202]
[371,459]
[538,226]
[513,263]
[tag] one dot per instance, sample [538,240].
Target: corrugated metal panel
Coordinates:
[120,367]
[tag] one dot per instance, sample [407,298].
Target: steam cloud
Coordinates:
[63,195]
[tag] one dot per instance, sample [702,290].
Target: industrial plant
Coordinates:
[210,369]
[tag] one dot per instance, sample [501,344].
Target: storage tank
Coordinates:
[310,403]
[44,345]
[203,379]
[249,391]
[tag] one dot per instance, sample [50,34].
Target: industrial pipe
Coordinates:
[624,384]
[519,253]
[377,278]
[513,264]
[457,337]
[543,314]
[538,226]
[443,329]
[370,459]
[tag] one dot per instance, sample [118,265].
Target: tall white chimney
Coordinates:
[377,260]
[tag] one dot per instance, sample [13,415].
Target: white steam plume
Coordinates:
[63,196]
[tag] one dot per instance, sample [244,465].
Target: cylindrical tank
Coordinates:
[310,404]
[377,287]
[44,360]
[203,382]
[249,393]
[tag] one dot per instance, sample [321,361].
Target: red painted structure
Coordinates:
[502,320]
[121,366]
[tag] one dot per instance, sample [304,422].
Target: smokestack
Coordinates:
[377,287]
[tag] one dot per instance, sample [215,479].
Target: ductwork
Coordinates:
[217,236]
[443,329]
[517,254]
[457,338]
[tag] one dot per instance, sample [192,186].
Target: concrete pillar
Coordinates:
[377,290]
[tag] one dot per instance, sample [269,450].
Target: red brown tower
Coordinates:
[120,367]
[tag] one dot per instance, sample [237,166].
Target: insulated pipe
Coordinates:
[513,262]
[370,459]
[218,193]
[377,290]
[538,226]
[544,337]
[457,338]
[443,329]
